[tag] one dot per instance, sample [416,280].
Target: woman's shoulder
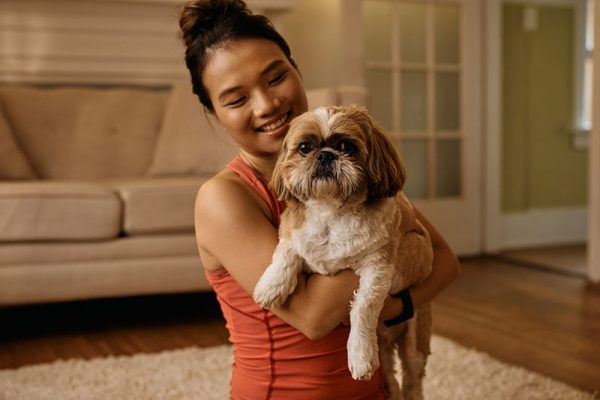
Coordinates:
[224,188]
[226,193]
[228,211]
[224,181]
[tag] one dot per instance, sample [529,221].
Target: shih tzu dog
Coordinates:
[342,178]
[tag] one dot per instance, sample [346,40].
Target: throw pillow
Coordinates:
[13,162]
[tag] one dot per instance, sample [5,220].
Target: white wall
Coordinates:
[98,41]
[136,41]
[313,30]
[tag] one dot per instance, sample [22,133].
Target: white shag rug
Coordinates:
[453,373]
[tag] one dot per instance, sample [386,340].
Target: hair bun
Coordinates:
[200,16]
[207,25]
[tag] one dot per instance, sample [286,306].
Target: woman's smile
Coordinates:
[278,126]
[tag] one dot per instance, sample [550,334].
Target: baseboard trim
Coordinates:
[543,227]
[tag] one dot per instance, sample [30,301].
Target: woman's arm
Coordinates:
[444,271]
[233,227]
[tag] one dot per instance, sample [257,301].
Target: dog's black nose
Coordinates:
[326,156]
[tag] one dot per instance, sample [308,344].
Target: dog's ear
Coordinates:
[277,182]
[385,170]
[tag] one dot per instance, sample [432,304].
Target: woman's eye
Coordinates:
[277,79]
[305,148]
[236,102]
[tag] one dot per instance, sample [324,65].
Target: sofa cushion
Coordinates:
[58,211]
[41,283]
[13,163]
[85,133]
[159,205]
[122,248]
[191,141]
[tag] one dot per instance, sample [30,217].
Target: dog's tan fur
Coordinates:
[342,179]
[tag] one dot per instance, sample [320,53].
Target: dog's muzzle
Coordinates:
[325,162]
[326,157]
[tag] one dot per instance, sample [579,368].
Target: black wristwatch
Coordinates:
[408,310]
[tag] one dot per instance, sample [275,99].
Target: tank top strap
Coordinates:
[256,183]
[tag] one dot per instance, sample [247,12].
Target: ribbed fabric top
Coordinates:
[273,360]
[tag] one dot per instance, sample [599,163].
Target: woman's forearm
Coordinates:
[319,303]
[444,271]
[445,268]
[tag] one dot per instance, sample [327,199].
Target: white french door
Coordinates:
[423,74]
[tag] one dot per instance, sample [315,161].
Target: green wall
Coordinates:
[540,169]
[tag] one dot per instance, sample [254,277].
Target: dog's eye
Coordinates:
[347,147]
[305,148]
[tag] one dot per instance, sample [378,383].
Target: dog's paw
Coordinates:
[363,356]
[363,369]
[275,285]
[268,295]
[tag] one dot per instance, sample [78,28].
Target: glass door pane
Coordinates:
[414,156]
[380,96]
[446,21]
[413,103]
[447,101]
[412,32]
[377,28]
[448,168]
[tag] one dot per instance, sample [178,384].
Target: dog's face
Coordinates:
[337,154]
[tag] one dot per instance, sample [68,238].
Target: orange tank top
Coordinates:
[273,360]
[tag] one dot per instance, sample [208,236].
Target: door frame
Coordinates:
[594,166]
[493,140]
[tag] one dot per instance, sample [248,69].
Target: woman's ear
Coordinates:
[385,171]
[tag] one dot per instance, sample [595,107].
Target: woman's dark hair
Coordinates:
[209,24]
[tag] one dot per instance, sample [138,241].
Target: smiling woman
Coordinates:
[242,71]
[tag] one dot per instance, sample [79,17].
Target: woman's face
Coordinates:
[255,92]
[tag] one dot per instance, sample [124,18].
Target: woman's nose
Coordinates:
[266,104]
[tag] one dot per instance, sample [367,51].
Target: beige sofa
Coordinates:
[97,188]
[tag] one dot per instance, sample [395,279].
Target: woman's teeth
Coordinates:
[274,125]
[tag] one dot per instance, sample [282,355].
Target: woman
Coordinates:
[243,72]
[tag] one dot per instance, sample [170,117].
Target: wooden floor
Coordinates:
[545,322]
[570,259]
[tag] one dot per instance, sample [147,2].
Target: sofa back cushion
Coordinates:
[13,162]
[191,141]
[85,133]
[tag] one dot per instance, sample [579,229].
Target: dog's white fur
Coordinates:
[342,180]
